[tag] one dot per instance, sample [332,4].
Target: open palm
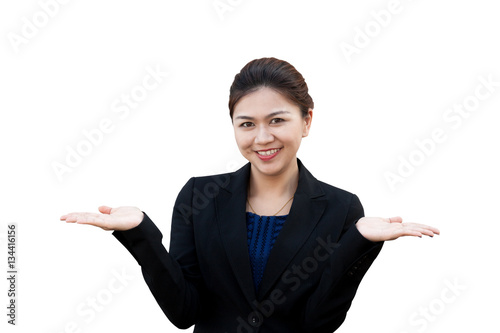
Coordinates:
[379,229]
[120,218]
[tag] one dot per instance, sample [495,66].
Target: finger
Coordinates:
[395,219]
[418,230]
[71,217]
[435,230]
[423,226]
[423,231]
[88,217]
[407,232]
[429,231]
[68,216]
[94,219]
[105,209]
[82,217]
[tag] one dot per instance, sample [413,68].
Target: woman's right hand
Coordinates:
[120,218]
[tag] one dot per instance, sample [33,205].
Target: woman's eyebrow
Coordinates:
[272,114]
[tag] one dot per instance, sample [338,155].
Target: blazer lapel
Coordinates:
[307,208]
[231,219]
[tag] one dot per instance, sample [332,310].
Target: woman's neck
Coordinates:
[276,186]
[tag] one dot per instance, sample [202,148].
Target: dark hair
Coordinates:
[273,73]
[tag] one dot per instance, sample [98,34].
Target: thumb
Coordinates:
[105,209]
[396,219]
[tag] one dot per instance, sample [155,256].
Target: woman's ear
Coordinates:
[307,123]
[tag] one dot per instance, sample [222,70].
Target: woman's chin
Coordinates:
[268,169]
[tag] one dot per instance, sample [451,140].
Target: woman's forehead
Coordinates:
[263,102]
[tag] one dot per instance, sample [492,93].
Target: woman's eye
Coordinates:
[246,124]
[276,120]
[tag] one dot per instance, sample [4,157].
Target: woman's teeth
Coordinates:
[267,152]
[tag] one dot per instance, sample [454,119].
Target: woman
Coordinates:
[267,248]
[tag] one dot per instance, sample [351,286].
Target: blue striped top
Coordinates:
[262,232]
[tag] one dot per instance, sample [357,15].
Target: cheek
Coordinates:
[292,135]
[243,141]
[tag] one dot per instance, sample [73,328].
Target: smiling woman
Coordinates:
[270,248]
[269,129]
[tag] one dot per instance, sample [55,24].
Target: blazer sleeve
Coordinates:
[174,280]
[327,306]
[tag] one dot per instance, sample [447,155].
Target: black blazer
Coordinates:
[309,282]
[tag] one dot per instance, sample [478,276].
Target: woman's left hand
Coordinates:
[378,229]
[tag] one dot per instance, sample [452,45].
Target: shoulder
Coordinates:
[335,191]
[228,181]
[317,187]
[340,196]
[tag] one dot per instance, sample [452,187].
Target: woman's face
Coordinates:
[268,129]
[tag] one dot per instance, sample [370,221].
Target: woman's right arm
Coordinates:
[174,280]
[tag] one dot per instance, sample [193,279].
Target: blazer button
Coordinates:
[255,320]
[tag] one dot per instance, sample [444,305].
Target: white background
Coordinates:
[370,108]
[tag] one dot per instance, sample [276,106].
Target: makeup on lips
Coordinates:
[268,154]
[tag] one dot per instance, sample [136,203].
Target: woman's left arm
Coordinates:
[356,250]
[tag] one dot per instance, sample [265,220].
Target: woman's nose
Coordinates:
[263,135]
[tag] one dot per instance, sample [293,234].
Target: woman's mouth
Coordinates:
[266,155]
